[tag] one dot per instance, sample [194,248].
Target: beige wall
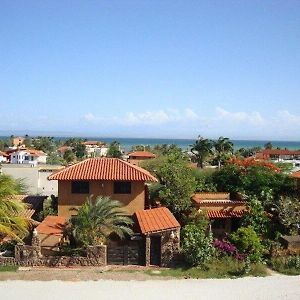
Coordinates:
[221,207]
[137,161]
[132,202]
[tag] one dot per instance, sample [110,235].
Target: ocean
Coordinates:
[185,144]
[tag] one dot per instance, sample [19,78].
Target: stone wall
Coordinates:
[170,247]
[27,256]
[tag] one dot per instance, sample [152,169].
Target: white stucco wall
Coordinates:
[35,178]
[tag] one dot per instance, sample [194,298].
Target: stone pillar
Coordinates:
[170,247]
[36,244]
[147,244]
[98,254]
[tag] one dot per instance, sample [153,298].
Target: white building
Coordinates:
[3,157]
[28,156]
[34,177]
[95,149]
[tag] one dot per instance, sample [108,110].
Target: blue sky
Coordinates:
[154,68]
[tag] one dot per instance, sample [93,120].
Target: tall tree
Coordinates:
[114,150]
[223,149]
[268,145]
[96,220]
[202,148]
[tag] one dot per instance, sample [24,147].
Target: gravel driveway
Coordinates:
[272,287]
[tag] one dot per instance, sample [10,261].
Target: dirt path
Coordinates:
[271,287]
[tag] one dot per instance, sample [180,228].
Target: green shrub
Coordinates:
[289,265]
[197,247]
[248,242]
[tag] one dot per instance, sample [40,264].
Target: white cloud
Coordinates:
[158,117]
[254,118]
[89,117]
[286,116]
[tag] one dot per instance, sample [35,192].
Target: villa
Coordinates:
[224,212]
[157,232]
[137,157]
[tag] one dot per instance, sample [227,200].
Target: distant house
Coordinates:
[278,154]
[137,157]
[95,148]
[28,156]
[63,149]
[223,212]
[34,177]
[17,141]
[3,157]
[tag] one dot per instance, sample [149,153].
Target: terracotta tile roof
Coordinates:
[296,174]
[211,197]
[93,143]
[280,152]
[217,214]
[233,202]
[52,225]
[142,154]
[155,220]
[103,169]
[63,149]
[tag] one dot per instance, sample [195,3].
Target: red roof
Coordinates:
[52,225]
[93,143]
[142,154]
[296,175]
[200,197]
[217,214]
[280,152]
[156,219]
[103,169]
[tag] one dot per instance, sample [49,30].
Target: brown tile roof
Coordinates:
[63,149]
[211,197]
[103,169]
[93,143]
[296,175]
[52,225]
[280,152]
[155,220]
[217,214]
[142,154]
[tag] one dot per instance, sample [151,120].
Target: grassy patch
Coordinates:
[222,268]
[8,268]
[288,265]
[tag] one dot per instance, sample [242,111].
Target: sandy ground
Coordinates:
[120,285]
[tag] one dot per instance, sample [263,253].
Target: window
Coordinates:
[122,187]
[80,187]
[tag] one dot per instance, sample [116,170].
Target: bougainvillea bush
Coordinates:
[224,247]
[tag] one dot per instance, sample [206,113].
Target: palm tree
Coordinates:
[202,148]
[223,149]
[96,220]
[12,224]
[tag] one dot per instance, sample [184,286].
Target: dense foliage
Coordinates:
[98,219]
[197,247]
[11,223]
[248,242]
[114,150]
